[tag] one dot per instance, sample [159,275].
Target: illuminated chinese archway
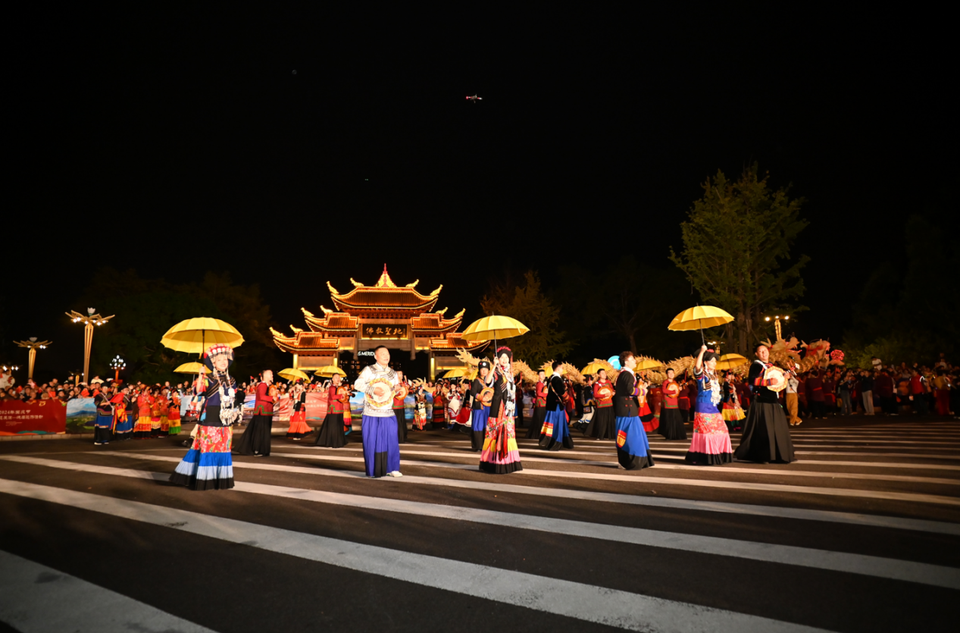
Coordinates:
[399,318]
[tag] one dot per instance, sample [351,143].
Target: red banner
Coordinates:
[43,416]
[316,405]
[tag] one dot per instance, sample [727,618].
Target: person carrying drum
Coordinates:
[766,435]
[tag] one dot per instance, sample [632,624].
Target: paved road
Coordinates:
[862,534]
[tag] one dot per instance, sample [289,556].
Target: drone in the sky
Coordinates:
[474,98]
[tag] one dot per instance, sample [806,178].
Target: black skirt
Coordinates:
[672,424]
[766,435]
[539,415]
[331,433]
[602,425]
[401,425]
[256,438]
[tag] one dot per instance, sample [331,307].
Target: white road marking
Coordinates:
[40,599]
[900,523]
[560,459]
[572,599]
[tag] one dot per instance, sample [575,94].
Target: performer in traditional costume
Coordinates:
[555,433]
[298,417]
[500,452]
[732,411]
[208,464]
[711,441]
[163,404]
[603,422]
[649,421]
[381,450]
[103,423]
[439,407]
[683,401]
[156,405]
[331,433]
[454,403]
[173,413]
[671,417]
[256,438]
[122,422]
[633,449]
[398,408]
[539,406]
[766,436]
[141,430]
[465,416]
[420,412]
[481,390]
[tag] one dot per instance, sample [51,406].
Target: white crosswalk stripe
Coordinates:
[883,480]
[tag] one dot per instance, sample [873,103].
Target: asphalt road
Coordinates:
[861,534]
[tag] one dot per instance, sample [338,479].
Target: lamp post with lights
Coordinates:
[33,345]
[89,320]
[776,324]
[116,365]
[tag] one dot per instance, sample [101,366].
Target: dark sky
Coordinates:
[292,148]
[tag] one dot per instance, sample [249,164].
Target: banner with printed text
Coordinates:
[41,417]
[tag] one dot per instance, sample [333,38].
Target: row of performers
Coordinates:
[208,464]
[125,413]
[765,439]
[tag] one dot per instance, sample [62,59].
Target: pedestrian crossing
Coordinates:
[571,541]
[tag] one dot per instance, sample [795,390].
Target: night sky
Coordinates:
[293,148]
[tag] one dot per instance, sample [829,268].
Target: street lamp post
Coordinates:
[89,320]
[33,345]
[776,324]
[116,365]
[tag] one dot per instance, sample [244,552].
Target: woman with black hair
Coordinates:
[500,452]
[711,441]
[208,464]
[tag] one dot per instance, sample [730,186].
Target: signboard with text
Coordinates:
[40,417]
[388,332]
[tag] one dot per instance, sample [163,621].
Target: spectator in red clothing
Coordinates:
[814,387]
[883,385]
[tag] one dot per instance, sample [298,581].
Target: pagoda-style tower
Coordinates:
[401,318]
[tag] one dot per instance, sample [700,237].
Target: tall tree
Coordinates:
[527,303]
[736,251]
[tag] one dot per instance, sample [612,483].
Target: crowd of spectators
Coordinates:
[883,390]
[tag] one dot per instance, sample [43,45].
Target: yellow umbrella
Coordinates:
[647,363]
[194,336]
[329,371]
[191,368]
[292,374]
[456,372]
[699,317]
[729,361]
[593,368]
[494,327]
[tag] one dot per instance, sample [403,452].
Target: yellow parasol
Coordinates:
[456,372]
[593,368]
[729,361]
[292,375]
[647,363]
[329,371]
[195,335]
[699,317]
[491,328]
[191,368]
